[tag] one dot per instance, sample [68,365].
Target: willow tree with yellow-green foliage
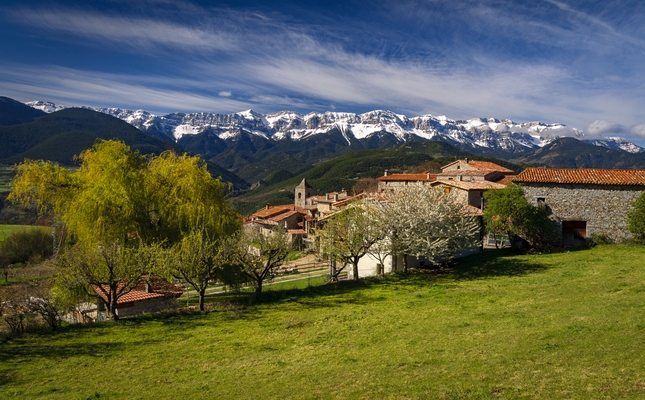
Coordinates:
[120,200]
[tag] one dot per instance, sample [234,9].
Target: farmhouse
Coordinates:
[585,201]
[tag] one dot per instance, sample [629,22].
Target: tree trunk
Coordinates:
[258,289]
[405,263]
[112,310]
[202,293]
[333,274]
[355,270]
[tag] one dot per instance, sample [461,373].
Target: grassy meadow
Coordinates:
[554,326]
[7,230]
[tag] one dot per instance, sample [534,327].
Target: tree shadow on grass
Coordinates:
[479,266]
[52,349]
[494,263]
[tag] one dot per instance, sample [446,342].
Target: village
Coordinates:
[582,202]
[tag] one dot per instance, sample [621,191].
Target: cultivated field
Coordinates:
[556,326]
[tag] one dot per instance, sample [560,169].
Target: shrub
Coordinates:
[27,245]
[600,238]
[636,220]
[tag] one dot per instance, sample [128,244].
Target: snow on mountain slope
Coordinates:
[479,133]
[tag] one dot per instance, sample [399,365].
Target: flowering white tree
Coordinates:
[425,222]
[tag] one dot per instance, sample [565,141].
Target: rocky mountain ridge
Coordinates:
[481,135]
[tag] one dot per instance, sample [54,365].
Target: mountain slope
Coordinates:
[63,134]
[14,112]
[477,135]
[572,153]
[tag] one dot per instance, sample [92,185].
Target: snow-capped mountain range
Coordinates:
[478,134]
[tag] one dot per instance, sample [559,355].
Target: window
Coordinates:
[541,202]
[299,196]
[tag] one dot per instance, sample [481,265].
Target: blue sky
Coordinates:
[581,63]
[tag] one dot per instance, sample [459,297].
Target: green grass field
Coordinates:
[7,230]
[557,326]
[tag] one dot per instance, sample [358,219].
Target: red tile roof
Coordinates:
[506,180]
[296,231]
[467,172]
[471,185]
[285,215]
[275,210]
[157,288]
[408,177]
[587,176]
[481,165]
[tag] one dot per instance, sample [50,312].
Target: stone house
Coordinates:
[585,201]
[391,182]
[470,170]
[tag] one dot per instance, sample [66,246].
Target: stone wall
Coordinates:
[604,208]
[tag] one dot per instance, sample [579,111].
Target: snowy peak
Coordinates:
[483,134]
[45,106]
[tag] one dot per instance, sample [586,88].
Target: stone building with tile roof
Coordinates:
[584,201]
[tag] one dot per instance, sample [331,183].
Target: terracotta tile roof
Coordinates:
[272,211]
[506,180]
[467,172]
[296,231]
[158,288]
[409,177]
[285,215]
[587,176]
[481,165]
[471,185]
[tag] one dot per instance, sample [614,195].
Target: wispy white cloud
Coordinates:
[638,130]
[273,62]
[599,127]
[137,33]
[88,88]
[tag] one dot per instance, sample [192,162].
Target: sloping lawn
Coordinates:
[557,326]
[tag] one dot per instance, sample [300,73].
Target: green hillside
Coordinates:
[343,172]
[61,135]
[556,326]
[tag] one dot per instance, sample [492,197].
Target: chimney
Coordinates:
[428,175]
[335,197]
[386,173]
[466,160]
[267,206]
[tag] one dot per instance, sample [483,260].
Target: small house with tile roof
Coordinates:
[584,201]
[152,294]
